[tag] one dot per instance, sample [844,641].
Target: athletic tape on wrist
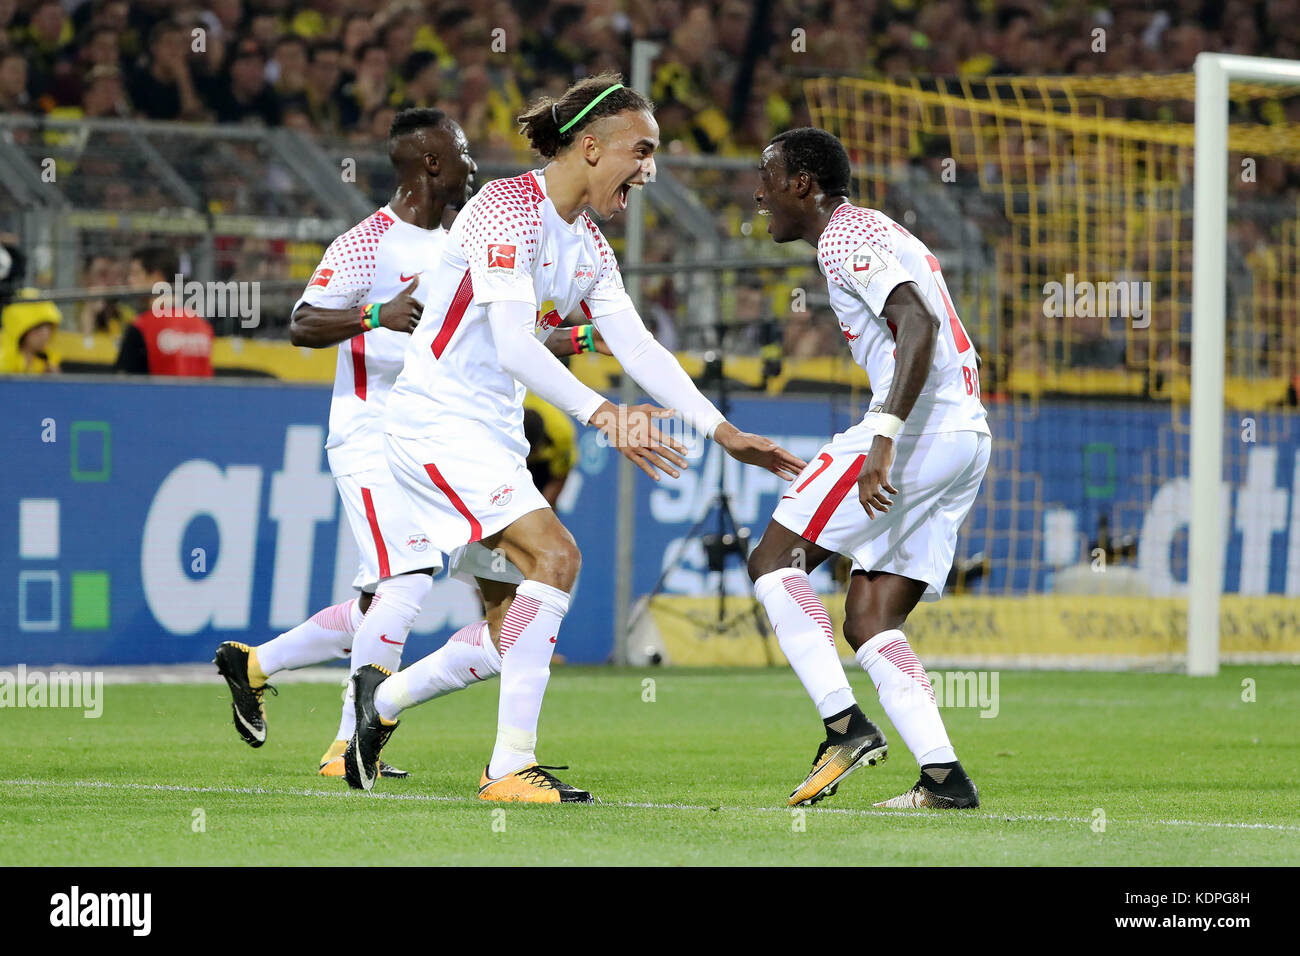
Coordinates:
[888,425]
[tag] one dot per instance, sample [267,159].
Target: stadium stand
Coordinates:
[286,83]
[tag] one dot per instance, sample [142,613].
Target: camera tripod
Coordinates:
[729,538]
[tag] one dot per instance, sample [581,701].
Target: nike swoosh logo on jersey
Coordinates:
[406,278]
[545,264]
[384,638]
[475,673]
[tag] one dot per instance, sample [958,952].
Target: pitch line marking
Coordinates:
[634,805]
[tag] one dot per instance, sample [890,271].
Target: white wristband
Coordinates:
[888,426]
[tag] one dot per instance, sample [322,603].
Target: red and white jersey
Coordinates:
[371,262]
[507,245]
[865,255]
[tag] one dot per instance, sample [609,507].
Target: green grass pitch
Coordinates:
[1184,771]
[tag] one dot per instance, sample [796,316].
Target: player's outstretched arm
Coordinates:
[317,328]
[917,327]
[629,428]
[657,371]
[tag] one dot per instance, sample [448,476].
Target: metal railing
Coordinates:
[256,205]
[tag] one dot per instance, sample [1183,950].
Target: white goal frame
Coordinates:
[1214,71]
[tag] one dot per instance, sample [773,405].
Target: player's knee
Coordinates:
[404,594]
[764,560]
[867,619]
[558,565]
[862,625]
[860,628]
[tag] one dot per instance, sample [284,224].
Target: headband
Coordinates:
[585,110]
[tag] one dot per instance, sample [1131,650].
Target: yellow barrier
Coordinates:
[1031,629]
[291,364]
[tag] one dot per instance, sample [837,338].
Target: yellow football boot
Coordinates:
[835,761]
[331,761]
[531,784]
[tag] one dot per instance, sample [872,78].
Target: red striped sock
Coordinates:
[528,637]
[803,629]
[905,693]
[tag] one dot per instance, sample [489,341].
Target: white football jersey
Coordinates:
[507,245]
[371,262]
[865,255]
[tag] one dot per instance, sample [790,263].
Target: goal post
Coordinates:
[1214,72]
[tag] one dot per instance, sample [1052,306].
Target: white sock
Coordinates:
[528,635]
[468,657]
[803,629]
[383,632]
[906,695]
[325,636]
[348,719]
[384,629]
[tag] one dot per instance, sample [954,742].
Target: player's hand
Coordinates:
[402,313]
[874,480]
[756,450]
[632,430]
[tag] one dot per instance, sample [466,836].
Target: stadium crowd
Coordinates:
[723,82]
[729,76]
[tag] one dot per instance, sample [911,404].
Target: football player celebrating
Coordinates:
[367,297]
[916,461]
[522,253]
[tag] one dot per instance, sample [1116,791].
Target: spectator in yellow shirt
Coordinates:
[552,449]
[26,327]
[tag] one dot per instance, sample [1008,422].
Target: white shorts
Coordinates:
[461,489]
[379,514]
[937,477]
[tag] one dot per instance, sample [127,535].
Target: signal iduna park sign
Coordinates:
[148,522]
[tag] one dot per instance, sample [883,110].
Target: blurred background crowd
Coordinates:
[722,84]
[729,76]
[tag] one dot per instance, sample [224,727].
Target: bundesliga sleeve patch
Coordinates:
[321,277]
[500,258]
[864,264]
